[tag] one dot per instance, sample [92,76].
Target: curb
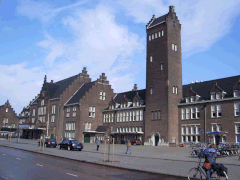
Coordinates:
[95,163]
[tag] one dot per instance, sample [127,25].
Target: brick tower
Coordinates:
[163,79]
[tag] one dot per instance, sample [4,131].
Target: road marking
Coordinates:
[18,158]
[72,175]
[4,154]
[40,165]
[4,177]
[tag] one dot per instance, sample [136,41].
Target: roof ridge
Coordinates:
[65,79]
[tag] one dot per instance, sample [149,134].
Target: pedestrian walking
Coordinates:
[98,144]
[128,146]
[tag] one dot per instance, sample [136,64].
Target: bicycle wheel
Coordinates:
[223,177]
[194,173]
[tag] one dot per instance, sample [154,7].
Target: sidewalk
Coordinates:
[164,160]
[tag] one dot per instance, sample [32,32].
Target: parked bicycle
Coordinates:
[198,172]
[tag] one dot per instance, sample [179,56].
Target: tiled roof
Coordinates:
[63,84]
[158,20]
[203,88]
[52,88]
[130,95]
[102,128]
[80,93]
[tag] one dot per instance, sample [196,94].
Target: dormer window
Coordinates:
[137,103]
[236,93]
[125,105]
[212,96]
[110,107]
[121,106]
[192,98]
[187,99]
[134,103]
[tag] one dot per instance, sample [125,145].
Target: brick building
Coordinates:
[9,119]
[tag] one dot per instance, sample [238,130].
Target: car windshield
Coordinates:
[75,142]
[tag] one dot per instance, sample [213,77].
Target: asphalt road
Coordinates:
[21,165]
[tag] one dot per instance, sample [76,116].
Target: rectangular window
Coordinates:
[124,115]
[42,102]
[118,117]
[133,129]
[213,109]
[213,96]
[197,113]
[134,116]
[176,90]
[151,91]
[159,33]
[192,113]
[53,118]
[219,112]
[183,114]
[237,128]
[187,130]
[149,38]
[187,113]
[6,109]
[74,114]
[162,32]
[192,98]
[104,118]
[155,115]
[187,99]
[182,130]
[104,95]
[88,126]
[152,115]
[214,127]
[151,59]
[137,103]
[175,47]
[236,93]
[173,89]
[130,115]
[33,112]
[141,115]
[218,95]
[159,114]
[53,109]
[107,118]
[112,117]
[219,127]
[33,120]
[92,111]
[156,35]
[161,67]
[74,108]
[121,118]
[68,109]
[100,95]
[152,36]
[236,109]
[127,116]
[137,115]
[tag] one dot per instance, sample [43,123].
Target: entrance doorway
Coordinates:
[52,136]
[122,139]
[87,138]
[156,140]
[217,138]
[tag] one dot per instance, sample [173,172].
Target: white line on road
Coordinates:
[4,154]
[72,175]
[4,177]
[40,165]
[18,158]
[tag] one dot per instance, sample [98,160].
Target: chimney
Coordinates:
[51,81]
[45,78]
[196,81]
[84,70]
[135,87]
[171,9]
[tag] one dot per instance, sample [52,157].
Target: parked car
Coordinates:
[49,143]
[70,145]
[135,141]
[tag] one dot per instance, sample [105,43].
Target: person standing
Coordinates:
[98,144]
[128,146]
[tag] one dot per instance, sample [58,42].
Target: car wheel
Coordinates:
[69,148]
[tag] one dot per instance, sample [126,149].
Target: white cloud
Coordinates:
[203,22]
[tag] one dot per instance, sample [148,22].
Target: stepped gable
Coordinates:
[102,128]
[130,95]
[62,85]
[80,93]
[203,89]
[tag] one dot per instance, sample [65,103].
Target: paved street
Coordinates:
[164,160]
[22,165]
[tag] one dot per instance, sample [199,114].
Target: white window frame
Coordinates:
[151,58]
[134,116]
[187,99]
[121,116]
[182,130]
[219,110]
[188,115]
[183,114]
[131,116]
[236,93]
[6,109]
[118,117]
[150,37]
[137,115]
[193,113]
[159,33]
[192,98]
[153,36]
[173,90]
[33,112]
[237,128]
[53,118]
[175,47]
[92,111]
[161,66]
[42,102]
[213,110]
[151,91]
[162,32]
[124,116]
[112,117]
[218,95]
[156,35]
[213,96]
[141,115]
[53,109]
[197,112]
[236,109]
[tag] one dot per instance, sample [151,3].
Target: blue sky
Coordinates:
[58,38]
